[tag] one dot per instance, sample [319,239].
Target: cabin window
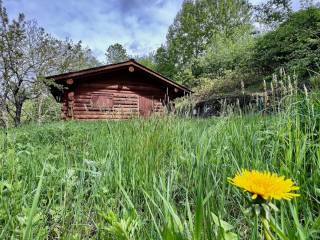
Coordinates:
[101,103]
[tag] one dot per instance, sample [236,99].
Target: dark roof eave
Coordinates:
[95,70]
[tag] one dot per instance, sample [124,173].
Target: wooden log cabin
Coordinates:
[115,91]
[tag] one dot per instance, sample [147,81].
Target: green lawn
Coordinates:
[163,178]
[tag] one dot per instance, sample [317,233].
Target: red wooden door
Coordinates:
[145,105]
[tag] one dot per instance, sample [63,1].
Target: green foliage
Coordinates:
[194,27]
[273,12]
[147,60]
[68,55]
[212,46]
[168,180]
[185,37]
[120,229]
[165,63]
[224,65]
[186,77]
[41,110]
[116,53]
[315,81]
[224,229]
[293,46]
[227,53]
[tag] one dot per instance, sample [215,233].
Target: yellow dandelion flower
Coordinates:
[265,184]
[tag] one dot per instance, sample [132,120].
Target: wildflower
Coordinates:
[265,184]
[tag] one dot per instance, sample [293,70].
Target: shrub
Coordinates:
[293,46]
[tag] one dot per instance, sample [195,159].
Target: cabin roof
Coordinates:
[116,66]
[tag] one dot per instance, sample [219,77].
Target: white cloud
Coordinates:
[140,25]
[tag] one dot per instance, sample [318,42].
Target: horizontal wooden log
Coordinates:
[116,100]
[116,83]
[84,109]
[99,91]
[124,88]
[81,90]
[107,94]
[110,112]
[120,98]
[103,117]
[88,99]
[110,116]
[115,103]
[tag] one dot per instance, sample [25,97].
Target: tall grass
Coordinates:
[162,178]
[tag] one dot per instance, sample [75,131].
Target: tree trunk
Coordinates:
[17,116]
[40,109]
[3,114]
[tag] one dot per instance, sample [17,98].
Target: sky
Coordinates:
[139,25]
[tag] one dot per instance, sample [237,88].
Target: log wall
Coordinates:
[115,95]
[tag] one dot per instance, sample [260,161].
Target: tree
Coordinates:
[147,60]
[70,56]
[304,4]
[16,65]
[294,46]
[65,56]
[273,12]
[198,21]
[164,64]
[4,77]
[116,53]
[226,54]
[27,54]
[194,28]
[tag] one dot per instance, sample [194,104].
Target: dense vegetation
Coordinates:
[164,178]
[214,47]
[207,53]
[293,46]
[158,178]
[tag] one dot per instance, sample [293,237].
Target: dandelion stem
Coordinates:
[266,229]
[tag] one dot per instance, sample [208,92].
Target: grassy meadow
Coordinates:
[161,178]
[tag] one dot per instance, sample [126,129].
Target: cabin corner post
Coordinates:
[64,109]
[70,99]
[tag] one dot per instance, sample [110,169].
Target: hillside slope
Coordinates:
[140,179]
